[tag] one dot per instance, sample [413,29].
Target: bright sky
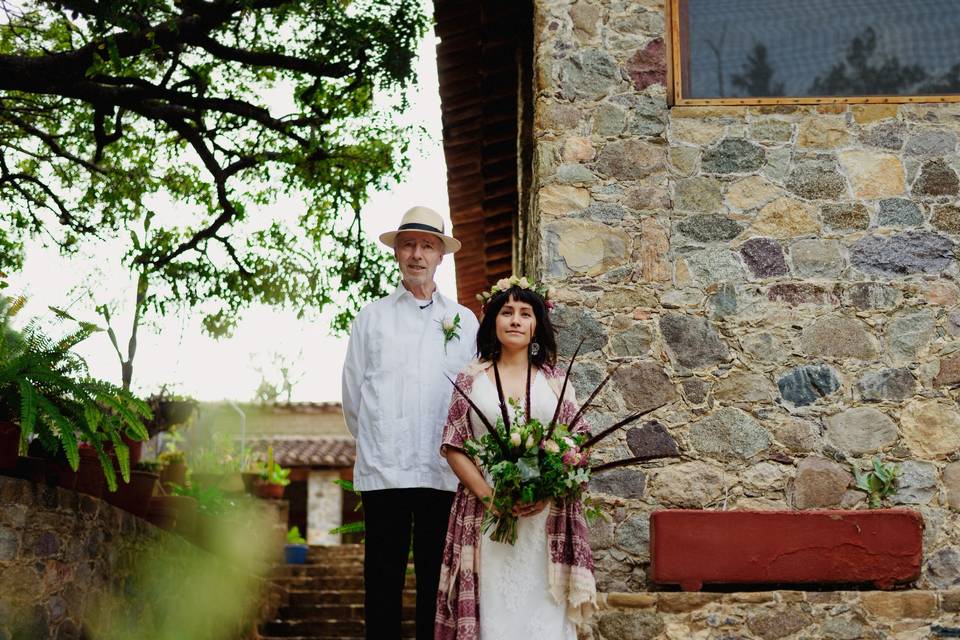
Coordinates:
[174,351]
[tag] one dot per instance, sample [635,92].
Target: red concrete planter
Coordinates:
[691,547]
[134,496]
[9,445]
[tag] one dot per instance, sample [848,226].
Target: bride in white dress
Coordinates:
[514,595]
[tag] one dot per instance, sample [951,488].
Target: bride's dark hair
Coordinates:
[488,346]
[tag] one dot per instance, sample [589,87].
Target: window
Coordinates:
[813,51]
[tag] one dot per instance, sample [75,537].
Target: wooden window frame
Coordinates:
[675,75]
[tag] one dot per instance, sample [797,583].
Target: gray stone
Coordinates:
[806,384]
[9,544]
[814,258]
[871,295]
[714,264]
[798,436]
[609,120]
[931,142]
[724,300]
[917,483]
[630,625]
[574,323]
[588,75]
[771,131]
[692,341]
[646,126]
[889,384]
[899,212]
[622,482]
[948,373]
[729,434]
[946,218]
[733,155]
[709,228]
[943,568]
[633,535]
[652,439]
[47,545]
[689,485]
[743,387]
[695,390]
[601,533]
[585,377]
[819,483]
[845,216]
[644,386]
[575,174]
[763,346]
[634,341]
[908,335]
[861,430]
[888,135]
[779,624]
[845,627]
[838,337]
[604,212]
[936,179]
[763,257]
[904,254]
[630,159]
[951,483]
[816,179]
[698,194]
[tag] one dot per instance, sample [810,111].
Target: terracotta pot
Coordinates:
[267,490]
[174,513]
[174,412]
[693,547]
[90,478]
[9,445]
[33,469]
[61,474]
[249,480]
[135,495]
[174,473]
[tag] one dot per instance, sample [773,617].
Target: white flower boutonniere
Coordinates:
[451,330]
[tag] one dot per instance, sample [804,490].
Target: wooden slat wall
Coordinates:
[477,60]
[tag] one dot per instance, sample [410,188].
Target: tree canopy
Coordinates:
[111,108]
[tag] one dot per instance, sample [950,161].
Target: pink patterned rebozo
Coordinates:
[570,571]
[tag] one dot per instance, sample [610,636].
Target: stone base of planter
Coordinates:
[769,615]
[692,547]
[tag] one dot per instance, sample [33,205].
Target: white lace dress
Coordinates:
[515,601]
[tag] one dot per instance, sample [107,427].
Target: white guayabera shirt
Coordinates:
[395,395]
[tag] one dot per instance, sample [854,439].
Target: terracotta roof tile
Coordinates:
[308,452]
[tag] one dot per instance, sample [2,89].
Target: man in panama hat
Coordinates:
[395,402]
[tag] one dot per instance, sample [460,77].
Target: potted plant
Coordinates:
[134,496]
[691,547]
[174,470]
[45,388]
[170,410]
[174,513]
[295,551]
[218,465]
[273,479]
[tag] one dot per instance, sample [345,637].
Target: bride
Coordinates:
[542,586]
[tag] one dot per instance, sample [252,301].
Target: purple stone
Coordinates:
[764,257]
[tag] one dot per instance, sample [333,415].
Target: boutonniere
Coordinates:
[450,328]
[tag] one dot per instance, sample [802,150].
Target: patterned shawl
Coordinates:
[570,570]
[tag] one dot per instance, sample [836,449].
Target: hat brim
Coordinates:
[450,245]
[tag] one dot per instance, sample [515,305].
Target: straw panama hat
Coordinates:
[424,220]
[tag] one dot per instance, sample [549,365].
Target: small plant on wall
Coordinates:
[879,482]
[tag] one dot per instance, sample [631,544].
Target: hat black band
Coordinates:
[416,226]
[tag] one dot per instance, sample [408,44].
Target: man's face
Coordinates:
[418,255]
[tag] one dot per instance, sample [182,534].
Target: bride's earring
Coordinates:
[534,348]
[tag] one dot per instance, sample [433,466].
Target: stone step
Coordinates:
[340,550]
[352,567]
[328,582]
[334,611]
[311,597]
[324,628]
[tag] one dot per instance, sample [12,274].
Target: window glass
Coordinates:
[818,48]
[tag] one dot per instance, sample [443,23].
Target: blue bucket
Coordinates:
[295,553]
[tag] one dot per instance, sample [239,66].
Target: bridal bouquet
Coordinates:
[529,461]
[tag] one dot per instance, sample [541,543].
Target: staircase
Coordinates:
[325,598]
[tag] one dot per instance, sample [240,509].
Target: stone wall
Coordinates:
[70,562]
[324,507]
[838,615]
[783,278]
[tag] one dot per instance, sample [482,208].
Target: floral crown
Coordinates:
[505,284]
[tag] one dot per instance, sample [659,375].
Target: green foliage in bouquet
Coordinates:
[529,461]
[45,387]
